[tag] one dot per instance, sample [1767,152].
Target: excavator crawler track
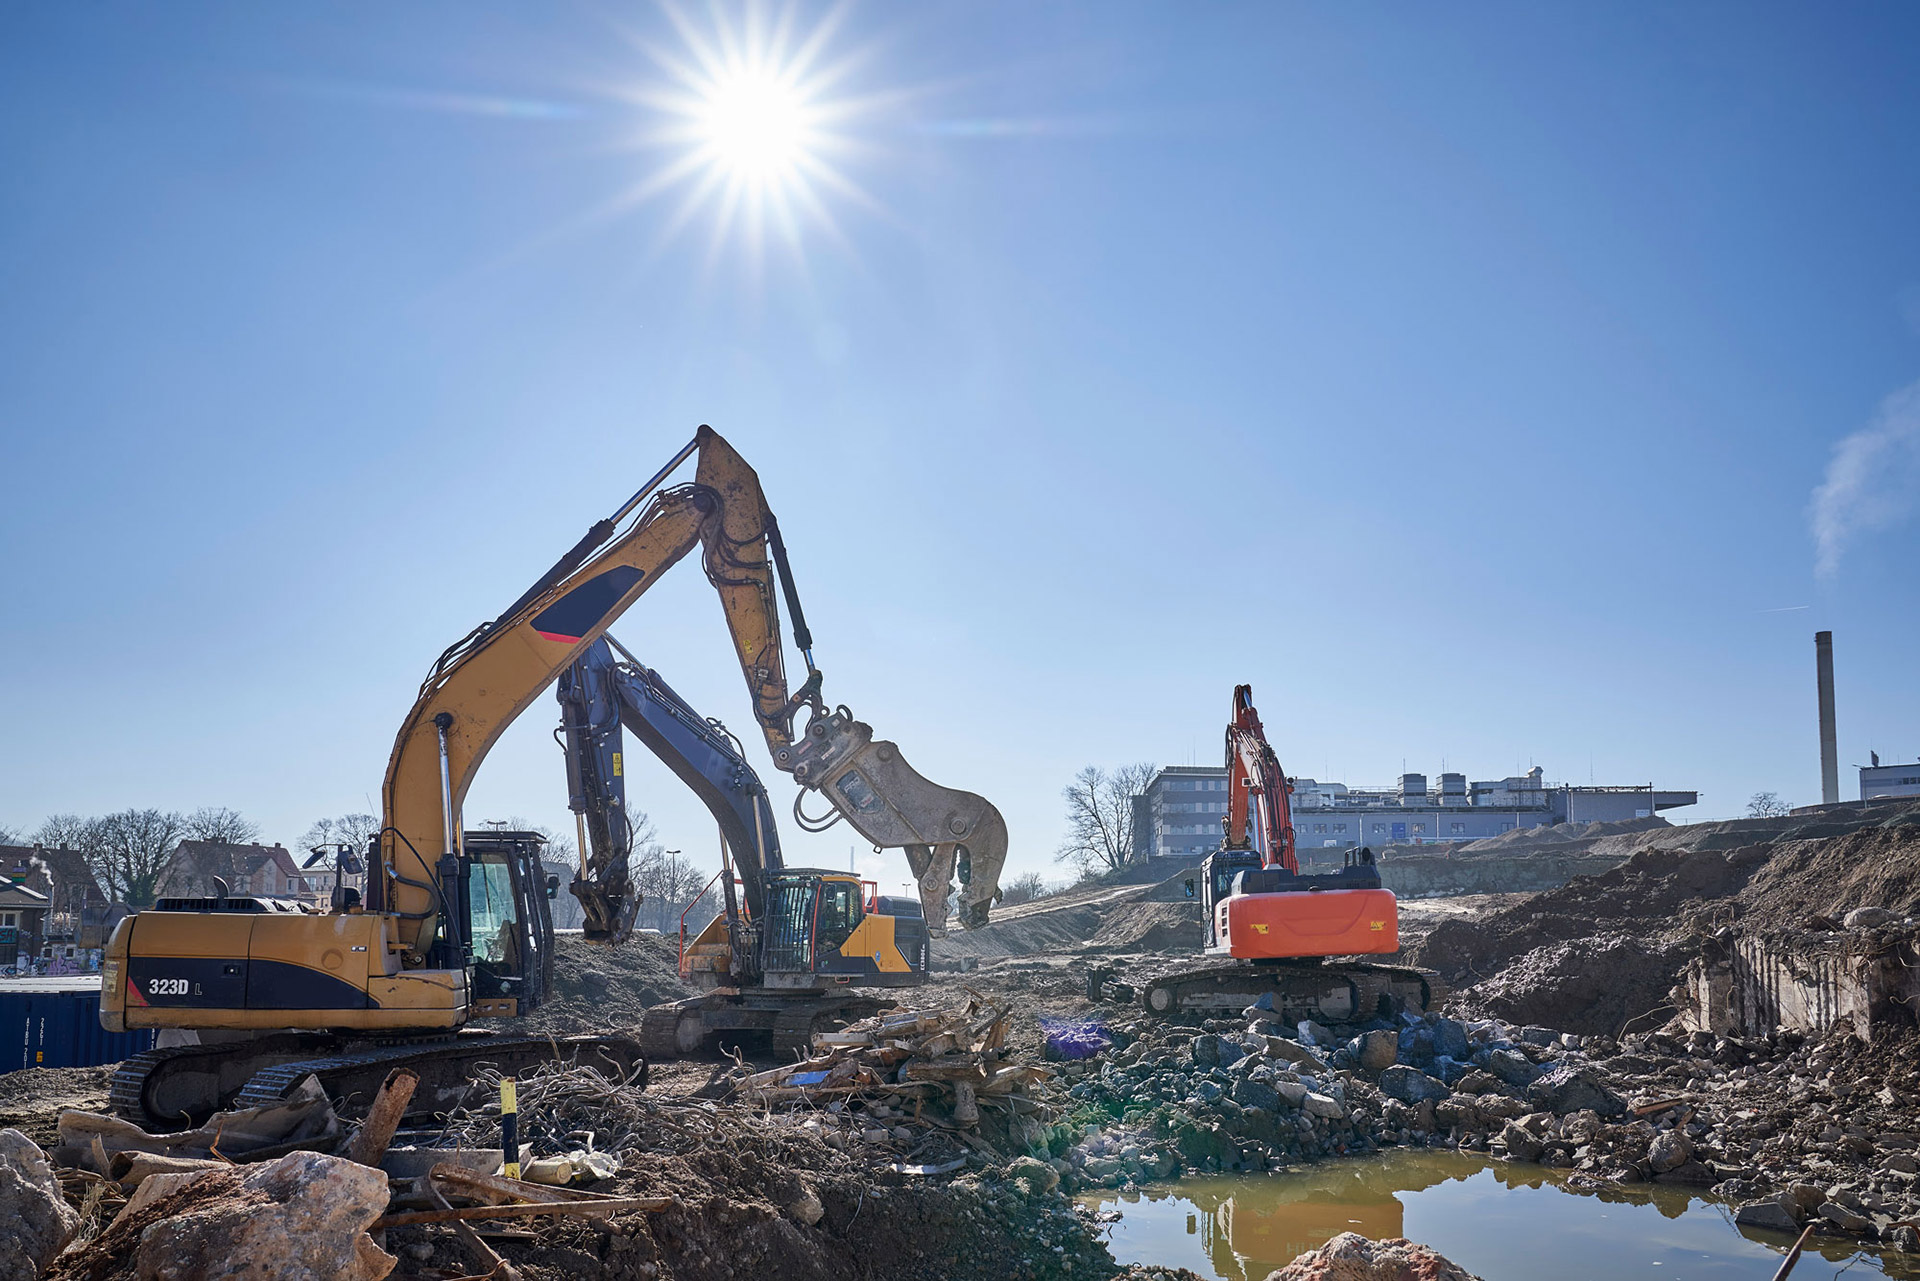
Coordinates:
[1327,993]
[682,1029]
[162,1089]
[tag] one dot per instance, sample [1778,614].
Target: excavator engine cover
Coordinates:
[1286,923]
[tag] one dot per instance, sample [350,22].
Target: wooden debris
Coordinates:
[371,1140]
[529,1209]
[958,1057]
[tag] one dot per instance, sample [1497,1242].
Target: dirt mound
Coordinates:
[1874,867]
[1150,927]
[31,1098]
[598,987]
[1643,895]
[1589,986]
[1604,949]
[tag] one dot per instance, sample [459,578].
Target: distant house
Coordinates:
[23,914]
[77,909]
[265,870]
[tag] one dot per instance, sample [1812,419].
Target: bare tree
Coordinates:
[349,829]
[1024,889]
[218,823]
[670,881]
[135,847]
[1767,805]
[68,831]
[1100,817]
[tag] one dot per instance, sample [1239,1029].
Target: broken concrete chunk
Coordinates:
[1377,1050]
[1863,918]
[1769,1214]
[1844,1219]
[1352,1257]
[1520,1143]
[1410,1085]
[35,1220]
[1669,1151]
[301,1217]
[806,1208]
[1568,1089]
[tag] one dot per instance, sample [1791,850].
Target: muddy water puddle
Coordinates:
[1499,1221]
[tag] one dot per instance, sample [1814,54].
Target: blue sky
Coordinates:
[1463,378]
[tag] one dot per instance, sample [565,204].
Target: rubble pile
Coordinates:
[1763,1124]
[924,1085]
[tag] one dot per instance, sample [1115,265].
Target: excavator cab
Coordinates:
[503,898]
[824,929]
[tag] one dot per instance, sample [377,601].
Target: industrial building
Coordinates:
[1877,780]
[1179,813]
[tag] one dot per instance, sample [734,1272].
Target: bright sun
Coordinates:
[753,131]
[755,125]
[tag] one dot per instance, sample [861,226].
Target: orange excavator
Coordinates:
[1286,933]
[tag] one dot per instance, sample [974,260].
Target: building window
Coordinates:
[1339,827]
[9,918]
[1319,828]
[1459,827]
[1419,827]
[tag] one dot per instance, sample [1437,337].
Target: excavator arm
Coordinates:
[598,696]
[1259,805]
[481,684]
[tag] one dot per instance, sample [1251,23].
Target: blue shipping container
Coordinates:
[60,1029]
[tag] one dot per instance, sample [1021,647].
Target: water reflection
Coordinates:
[1502,1221]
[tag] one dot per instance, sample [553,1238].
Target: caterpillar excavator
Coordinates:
[788,943]
[1284,934]
[454,926]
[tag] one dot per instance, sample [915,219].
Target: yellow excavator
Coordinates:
[455,925]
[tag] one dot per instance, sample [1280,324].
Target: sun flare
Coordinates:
[750,127]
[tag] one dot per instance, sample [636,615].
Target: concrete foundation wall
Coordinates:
[1806,982]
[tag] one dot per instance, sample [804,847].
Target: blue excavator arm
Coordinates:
[600,696]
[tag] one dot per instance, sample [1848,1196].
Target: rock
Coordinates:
[1900,1162]
[1312,1033]
[1803,1199]
[1904,1238]
[1293,1092]
[1411,1085]
[1669,1151]
[1769,1214]
[806,1207]
[1844,1219]
[1568,1089]
[1042,1176]
[35,1220]
[875,1134]
[1512,1067]
[1352,1257]
[1322,1105]
[294,1219]
[1256,1094]
[1520,1143]
[1205,1050]
[1377,1051]
[418,1251]
[1477,1081]
[1279,1047]
[1450,1039]
[1862,918]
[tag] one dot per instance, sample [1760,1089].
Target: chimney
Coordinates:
[1829,750]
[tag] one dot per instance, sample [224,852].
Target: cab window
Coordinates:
[839,913]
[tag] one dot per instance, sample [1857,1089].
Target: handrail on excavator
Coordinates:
[681,964]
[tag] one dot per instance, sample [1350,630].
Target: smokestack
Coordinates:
[1829,750]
